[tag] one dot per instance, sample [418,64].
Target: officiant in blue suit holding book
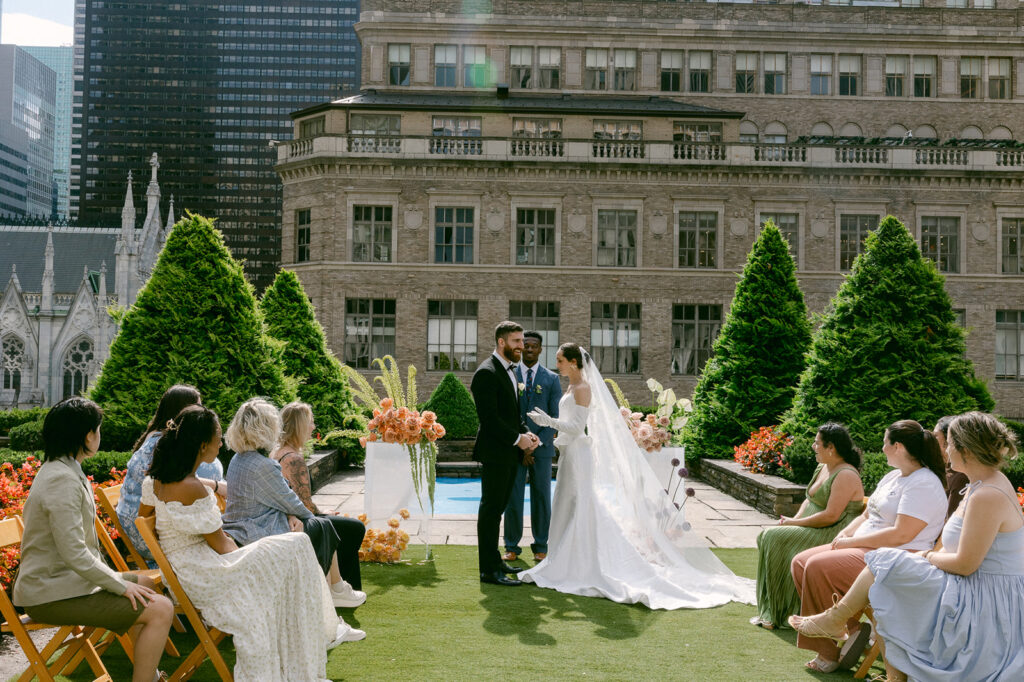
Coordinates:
[540,388]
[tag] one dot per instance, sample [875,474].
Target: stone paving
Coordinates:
[723,520]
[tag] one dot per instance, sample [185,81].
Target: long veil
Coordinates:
[627,487]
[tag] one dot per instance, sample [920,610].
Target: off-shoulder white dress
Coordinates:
[269,595]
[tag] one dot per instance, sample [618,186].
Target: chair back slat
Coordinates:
[108,498]
[110,547]
[10,531]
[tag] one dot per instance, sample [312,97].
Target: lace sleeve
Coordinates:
[148,496]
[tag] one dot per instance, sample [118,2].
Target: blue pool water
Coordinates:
[462,496]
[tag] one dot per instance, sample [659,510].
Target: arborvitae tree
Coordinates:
[290,318]
[194,322]
[750,379]
[888,348]
[454,407]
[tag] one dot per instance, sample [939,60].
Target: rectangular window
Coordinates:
[789,226]
[302,235]
[371,234]
[671,70]
[698,239]
[1010,345]
[956,4]
[940,241]
[535,236]
[924,76]
[537,127]
[821,74]
[853,230]
[625,69]
[521,60]
[1013,246]
[895,76]
[694,330]
[549,59]
[616,238]
[445,127]
[445,57]
[686,131]
[970,77]
[746,72]
[541,317]
[375,124]
[474,64]
[849,74]
[398,64]
[984,4]
[312,127]
[999,77]
[369,330]
[615,337]
[451,336]
[700,72]
[595,76]
[775,74]
[453,235]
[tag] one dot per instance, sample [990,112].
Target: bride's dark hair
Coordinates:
[572,352]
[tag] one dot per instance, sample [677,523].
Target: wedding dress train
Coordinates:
[614,531]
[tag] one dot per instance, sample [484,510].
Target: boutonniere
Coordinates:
[522,387]
[538,389]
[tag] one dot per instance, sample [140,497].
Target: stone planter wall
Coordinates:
[459,450]
[772,495]
[322,465]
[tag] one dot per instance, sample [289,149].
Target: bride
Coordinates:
[614,531]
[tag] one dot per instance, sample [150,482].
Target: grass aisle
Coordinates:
[436,621]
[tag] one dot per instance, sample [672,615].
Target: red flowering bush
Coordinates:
[15,483]
[763,451]
[1020,497]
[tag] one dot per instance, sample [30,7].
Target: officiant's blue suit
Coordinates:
[542,392]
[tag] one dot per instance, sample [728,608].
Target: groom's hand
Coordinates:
[525,442]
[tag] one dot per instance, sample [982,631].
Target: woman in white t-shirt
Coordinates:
[906,511]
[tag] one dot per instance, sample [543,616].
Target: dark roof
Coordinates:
[72,252]
[517,103]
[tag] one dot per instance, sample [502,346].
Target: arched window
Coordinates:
[971,133]
[925,131]
[12,360]
[774,133]
[896,130]
[748,132]
[77,367]
[1000,133]
[851,130]
[822,129]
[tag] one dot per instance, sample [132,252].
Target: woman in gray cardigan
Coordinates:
[62,579]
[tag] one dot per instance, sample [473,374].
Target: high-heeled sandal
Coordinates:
[808,628]
[820,665]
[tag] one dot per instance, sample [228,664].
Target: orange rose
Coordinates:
[387,403]
[404,513]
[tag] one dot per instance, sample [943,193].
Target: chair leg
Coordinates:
[207,648]
[869,660]
[37,666]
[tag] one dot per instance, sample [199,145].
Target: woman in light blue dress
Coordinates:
[955,612]
[173,401]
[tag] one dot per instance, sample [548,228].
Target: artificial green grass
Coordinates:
[436,621]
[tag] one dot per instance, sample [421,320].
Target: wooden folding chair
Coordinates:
[209,638]
[873,652]
[74,639]
[108,498]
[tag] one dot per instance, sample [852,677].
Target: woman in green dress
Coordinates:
[835,496]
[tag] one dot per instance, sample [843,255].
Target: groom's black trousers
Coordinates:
[499,473]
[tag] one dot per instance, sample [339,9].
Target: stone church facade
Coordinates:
[56,325]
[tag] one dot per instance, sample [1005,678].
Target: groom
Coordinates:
[541,390]
[501,443]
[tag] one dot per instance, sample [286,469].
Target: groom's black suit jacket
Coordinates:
[497,408]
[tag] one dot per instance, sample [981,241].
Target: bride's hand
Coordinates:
[539,417]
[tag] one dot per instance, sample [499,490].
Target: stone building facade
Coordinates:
[610,191]
[55,322]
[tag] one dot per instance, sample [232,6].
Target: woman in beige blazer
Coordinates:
[62,579]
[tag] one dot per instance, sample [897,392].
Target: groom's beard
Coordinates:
[512,354]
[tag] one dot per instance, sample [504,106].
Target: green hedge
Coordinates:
[346,440]
[98,466]
[11,418]
[872,468]
[454,407]
[27,437]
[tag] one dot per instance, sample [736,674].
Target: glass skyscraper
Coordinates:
[59,60]
[208,86]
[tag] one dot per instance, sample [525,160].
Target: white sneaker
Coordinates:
[346,633]
[345,597]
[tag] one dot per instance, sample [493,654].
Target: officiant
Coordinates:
[539,388]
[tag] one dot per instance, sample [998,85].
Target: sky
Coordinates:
[35,22]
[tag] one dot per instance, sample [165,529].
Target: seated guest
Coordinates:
[906,511]
[955,481]
[259,501]
[282,628]
[211,474]
[834,498]
[297,427]
[953,613]
[62,579]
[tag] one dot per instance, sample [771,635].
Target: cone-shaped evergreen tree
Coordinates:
[758,357]
[889,348]
[290,318]
[454,407]
[195,322]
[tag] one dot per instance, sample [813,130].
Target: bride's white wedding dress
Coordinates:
[614,531]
